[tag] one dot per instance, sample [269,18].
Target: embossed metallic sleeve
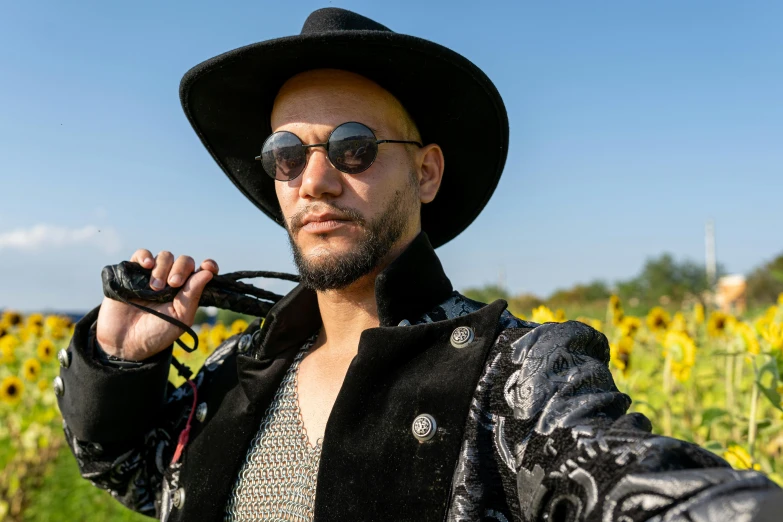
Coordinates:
[135,471]
[548,438]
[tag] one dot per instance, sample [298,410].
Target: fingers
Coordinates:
[166,269]
[181,270]
[191,292]
[209,264]
[143,257]
[163,263]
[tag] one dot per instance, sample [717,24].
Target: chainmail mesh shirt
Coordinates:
[278,479]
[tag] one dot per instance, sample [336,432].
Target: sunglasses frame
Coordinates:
[325,145]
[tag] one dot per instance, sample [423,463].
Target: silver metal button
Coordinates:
[201,412]
[64,357]
[178,498]
[256,338]
[424,427]
[462,336]
[404,322]
[59,386]
[244,343]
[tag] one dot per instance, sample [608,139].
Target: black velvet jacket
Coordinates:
[530,425]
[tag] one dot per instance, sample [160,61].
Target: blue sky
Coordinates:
[632,124]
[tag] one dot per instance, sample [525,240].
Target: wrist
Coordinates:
[108,355]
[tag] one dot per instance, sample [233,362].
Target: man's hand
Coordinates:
[129,333]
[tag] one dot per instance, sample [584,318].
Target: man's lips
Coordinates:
[323,222]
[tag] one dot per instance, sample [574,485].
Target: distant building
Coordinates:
[730,294]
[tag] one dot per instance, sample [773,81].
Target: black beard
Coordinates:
[340,271]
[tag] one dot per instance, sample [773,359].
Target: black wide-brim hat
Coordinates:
[228,101]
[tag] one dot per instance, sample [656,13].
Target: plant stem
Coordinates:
[738,367]
[754,399]
[667,391]
[729,380]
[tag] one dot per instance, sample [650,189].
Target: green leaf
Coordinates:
[763,424]
[771,367]
[771,394]
[711,414]
[715,446]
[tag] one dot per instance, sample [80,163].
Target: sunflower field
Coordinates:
[702,376]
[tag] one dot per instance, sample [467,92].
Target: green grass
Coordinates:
[65,495]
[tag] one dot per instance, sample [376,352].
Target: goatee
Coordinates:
[341,270]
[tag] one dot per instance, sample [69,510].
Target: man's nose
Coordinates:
[320,178]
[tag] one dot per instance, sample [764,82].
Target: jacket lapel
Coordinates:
[372,467]
[217,448]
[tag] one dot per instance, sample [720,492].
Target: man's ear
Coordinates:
[431,165]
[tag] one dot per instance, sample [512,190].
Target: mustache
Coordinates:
[342,213]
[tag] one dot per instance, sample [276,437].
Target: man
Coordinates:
[373,391]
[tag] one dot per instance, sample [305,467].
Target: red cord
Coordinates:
[183,436]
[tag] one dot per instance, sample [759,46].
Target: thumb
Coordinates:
[192,289]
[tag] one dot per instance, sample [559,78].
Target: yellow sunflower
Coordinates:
[44,385]
[630,325]
[658,319]
[11,318]
[773,334]
[719,323]
[749,338]
[682,350]
[8,344]
[217,335]
[542,314]
[238,326]
[620,354]
[55,321]
[615,311]
[31,369]
[768,317]
[11,390]
[203,342]
[560,316]
[45,350]
[678,323]
[35,319]
[739,458]
[57,333]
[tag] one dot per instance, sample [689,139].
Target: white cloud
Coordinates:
[45,236]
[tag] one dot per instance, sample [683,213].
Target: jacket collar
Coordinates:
[410,286]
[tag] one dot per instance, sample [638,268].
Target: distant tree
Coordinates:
[664,276]
[580,294]
[524,303]
[487,293]
[227,317]
[765,283]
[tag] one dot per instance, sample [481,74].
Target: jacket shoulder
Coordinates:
[523,339]
[539,372]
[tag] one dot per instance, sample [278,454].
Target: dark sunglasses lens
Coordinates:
[352,147]
[283,156]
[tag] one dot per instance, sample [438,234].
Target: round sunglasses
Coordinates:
[352,148]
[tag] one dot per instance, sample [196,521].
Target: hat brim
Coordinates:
[228,101]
